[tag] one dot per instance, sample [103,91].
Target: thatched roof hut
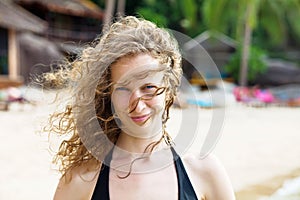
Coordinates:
[208,50]
[31,30]
[80,8]
[17,18]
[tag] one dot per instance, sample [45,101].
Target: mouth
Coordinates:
[142,119]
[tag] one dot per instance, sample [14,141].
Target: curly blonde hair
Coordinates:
[88,81]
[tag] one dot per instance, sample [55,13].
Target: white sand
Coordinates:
[256,145]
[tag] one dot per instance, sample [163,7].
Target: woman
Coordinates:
[122,90]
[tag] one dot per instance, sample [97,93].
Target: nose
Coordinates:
[136,103]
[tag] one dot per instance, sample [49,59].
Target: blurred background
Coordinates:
[254,44]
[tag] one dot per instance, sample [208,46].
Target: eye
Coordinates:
[149,87]
[120,88]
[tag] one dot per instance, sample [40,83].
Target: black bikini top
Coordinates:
[185,188]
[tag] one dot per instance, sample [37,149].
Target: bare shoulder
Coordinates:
[207,165]
[210,175]
[78,183]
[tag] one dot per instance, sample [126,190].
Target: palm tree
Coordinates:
[109,11]
[178,15]
[121,7]
[250,21]
[239,18]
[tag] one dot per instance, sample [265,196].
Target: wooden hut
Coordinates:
[207,53]
[36,33]
[68,20]
[13,21]
[71,24]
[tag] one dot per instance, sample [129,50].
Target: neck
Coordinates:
[131,150]
[137,145]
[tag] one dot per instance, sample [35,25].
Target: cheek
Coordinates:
[118,103]
[157,102]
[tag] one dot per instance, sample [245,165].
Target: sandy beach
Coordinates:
[259,148]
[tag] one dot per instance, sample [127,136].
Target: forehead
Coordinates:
[128,66]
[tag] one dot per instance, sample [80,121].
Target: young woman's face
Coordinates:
[138,94]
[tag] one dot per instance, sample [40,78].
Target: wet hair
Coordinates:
[88,81]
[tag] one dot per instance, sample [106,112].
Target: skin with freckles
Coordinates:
[140,113]
[130,77]
[207,175]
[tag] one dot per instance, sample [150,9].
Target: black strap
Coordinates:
[185,188]
[101,190]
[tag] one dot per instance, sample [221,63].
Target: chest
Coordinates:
[159,184]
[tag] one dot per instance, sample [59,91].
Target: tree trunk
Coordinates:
[121,7]
[109,11]
[243,80]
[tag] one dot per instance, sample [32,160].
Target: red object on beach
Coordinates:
[264,96]
[241,93]
[244,94]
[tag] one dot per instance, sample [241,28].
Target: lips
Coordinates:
[140,119]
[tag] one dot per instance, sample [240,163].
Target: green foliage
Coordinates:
[157,18]
[188,8]
[156,11]
[293,17]
[256,64]
[183,16]
[222,16]
[271,20]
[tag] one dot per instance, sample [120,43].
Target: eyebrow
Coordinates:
[146,84]
[140,76]
[143,85]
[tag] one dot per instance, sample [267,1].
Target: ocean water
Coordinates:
[289,191]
